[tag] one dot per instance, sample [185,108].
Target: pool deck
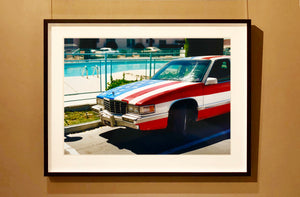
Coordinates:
[74,87]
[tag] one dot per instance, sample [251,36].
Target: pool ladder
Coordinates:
[85,72]
[96,70]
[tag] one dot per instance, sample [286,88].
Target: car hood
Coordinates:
[152,91]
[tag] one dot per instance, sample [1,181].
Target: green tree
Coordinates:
[186,47]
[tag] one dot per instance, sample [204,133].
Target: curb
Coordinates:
[82,127]
[78,107]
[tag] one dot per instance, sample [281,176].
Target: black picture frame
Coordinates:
[47,94]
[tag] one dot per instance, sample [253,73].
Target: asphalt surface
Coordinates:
[210,136]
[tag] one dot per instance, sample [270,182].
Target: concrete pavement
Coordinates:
[83,90]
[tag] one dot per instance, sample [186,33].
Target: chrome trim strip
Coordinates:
[215,104]
[152,117]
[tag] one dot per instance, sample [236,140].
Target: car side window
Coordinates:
[221,70]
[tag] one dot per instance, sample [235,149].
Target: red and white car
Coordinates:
[180,93]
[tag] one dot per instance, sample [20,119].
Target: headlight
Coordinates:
[133,109]
[141,109]
[100,101]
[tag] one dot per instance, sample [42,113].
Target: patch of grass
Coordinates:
[118,82]
[78,117]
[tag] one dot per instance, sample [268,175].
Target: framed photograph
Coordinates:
[150,97]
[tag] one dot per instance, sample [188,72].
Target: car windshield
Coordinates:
[183,70]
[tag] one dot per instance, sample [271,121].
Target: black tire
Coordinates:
[180,119]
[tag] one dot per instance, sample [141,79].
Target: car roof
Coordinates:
[209,57]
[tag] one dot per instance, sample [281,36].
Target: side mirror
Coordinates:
[211,81]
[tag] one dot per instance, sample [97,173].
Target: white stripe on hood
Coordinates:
[126,94]
[157,91]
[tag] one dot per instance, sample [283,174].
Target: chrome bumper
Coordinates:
[113,120]
[126,120]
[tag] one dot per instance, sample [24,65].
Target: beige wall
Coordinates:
[276,63]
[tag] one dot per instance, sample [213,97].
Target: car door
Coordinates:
[217,93]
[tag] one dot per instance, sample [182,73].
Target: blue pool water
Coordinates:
[75,68]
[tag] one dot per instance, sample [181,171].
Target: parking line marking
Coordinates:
[195,142]
[71,150]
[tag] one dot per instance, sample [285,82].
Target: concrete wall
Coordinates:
[275,95]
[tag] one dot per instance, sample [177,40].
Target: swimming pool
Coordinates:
[75,68]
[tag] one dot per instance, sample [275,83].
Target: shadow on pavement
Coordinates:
[161,141]
[72,139]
